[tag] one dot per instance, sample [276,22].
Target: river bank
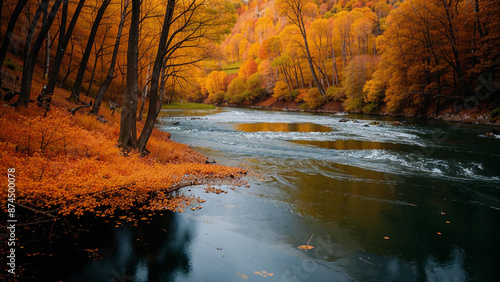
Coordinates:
[470,115]
[70,163]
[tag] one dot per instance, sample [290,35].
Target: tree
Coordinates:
[45,98]
[343,24]
[215,82]
[281,91]
[247,68]
[358,71]
[186,25]
[234,90]
[319,37]
[8,32]
[111,70]
[263,28]
[128,133]
[30,55]
[270,48]
[75,94]
[297,11]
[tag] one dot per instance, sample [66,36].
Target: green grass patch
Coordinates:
[187,106]
[232,68]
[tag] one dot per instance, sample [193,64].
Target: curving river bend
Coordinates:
[419,201]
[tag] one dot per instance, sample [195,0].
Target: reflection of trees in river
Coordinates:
[148,252]
[424,218]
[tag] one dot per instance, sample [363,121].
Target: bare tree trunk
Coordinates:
[171,96]
[45,98]
[335,78]
[128,133]
[109,77]
[1,9]
[75,94]
[47,56]
[325,73]
[70,70]
[164,78]
[47,49]
[93,72]
[10,28]
[155,77]
[31,56]
[98,53]
[144,93]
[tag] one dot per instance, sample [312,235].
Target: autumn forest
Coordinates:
[83,84]
[405,57]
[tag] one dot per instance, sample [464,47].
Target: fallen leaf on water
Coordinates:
[268,273]
[306,246]
[242,276]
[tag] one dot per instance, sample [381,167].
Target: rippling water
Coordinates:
[417,201]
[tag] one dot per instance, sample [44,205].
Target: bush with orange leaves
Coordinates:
[72,165]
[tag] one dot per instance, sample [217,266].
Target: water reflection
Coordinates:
[352,145]
[281,127]
[430,224]
[148,252]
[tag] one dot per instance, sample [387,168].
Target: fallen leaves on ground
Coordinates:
[72,164]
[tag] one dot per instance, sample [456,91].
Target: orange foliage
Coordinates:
[247,68]
[71,164]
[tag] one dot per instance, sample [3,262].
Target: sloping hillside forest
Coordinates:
[406,57]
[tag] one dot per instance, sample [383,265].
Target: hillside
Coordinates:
[379,57]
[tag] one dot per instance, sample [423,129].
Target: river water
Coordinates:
[419,201]
[409,202]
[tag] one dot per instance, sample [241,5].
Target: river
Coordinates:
[415,200]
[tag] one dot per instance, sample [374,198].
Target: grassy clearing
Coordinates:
[187,106]
[232,68]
